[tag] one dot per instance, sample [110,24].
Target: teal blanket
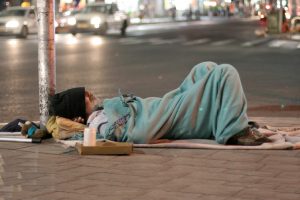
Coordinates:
[209,104]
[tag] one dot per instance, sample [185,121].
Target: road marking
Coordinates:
[276,43]
[222,42]
[195,42]
[173,41]
[159,41]
[284,44]
[131,41]
[155,41]
[255,42]
[290,44]
[295,37]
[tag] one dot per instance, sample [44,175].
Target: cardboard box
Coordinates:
[105,147]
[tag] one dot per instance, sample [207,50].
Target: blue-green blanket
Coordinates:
[209,104]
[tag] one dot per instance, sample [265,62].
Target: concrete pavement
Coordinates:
[49,171]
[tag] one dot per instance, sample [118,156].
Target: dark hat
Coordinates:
[69,103]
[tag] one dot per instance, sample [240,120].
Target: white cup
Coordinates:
[89,137]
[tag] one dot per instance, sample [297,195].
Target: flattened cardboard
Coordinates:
[105,147]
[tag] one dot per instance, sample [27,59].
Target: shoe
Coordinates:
[253,124]
[30,130]
[249,137]
[25,127]
[40,134]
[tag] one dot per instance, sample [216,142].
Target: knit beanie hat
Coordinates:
[69,104]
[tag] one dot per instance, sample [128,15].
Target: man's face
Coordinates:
[90,103]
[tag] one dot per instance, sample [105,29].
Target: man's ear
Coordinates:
[86,93]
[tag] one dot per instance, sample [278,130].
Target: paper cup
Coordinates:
[89,137]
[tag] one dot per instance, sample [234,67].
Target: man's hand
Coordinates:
[78,119]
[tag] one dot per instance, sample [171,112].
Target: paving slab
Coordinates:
[51,171]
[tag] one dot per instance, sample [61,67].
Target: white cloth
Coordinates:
[98,120]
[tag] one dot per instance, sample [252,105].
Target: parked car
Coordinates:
[65,22]
[19,21]
[100,17]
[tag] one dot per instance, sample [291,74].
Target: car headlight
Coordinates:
[12,24]
[96,20]
[71,21]
[63,20]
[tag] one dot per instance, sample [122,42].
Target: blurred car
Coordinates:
[65,22]
[19,21]
[295,24]
[100,17]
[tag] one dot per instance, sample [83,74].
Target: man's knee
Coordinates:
[223,70]
[227,68]
[209,66]
[204,67]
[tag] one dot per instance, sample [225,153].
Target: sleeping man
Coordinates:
[209,104]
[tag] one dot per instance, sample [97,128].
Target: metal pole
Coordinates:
[26,140]
[46,56]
